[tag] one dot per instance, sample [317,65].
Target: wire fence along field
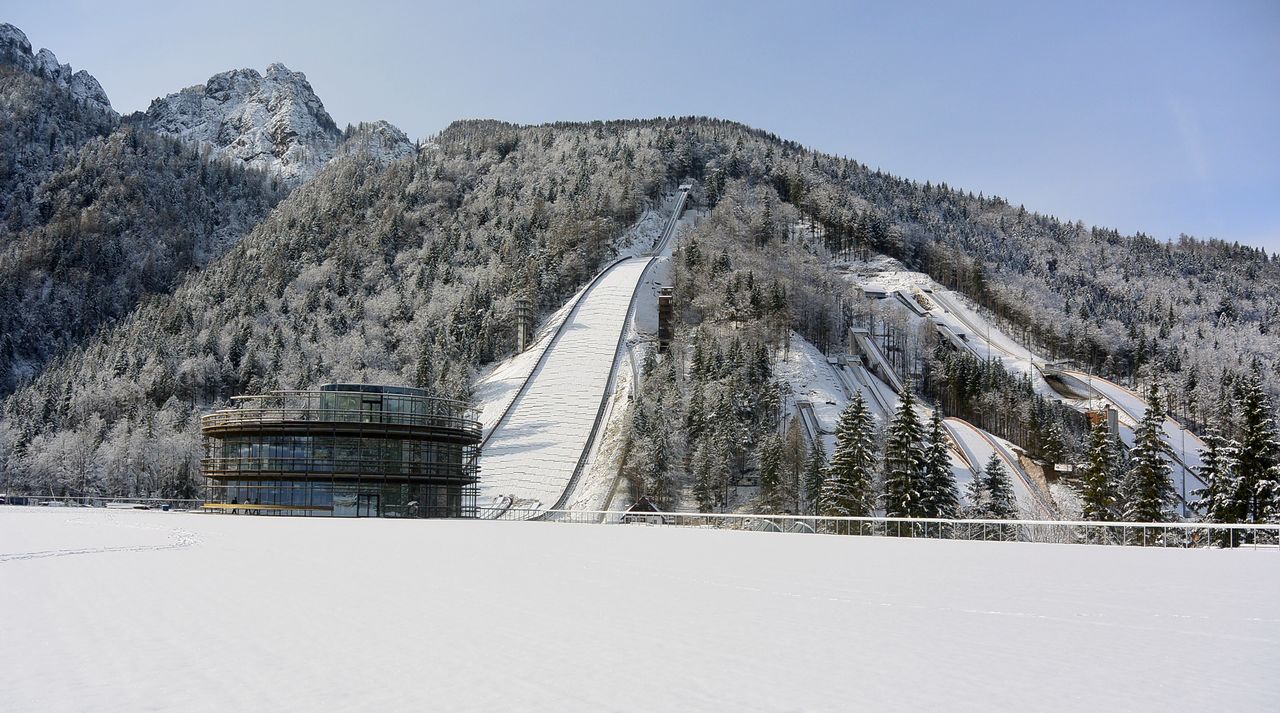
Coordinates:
[1184,535]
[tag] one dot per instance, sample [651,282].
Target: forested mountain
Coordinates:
[402,265]
[126,216]
[402,273]
[97,213]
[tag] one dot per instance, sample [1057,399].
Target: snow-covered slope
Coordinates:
[130,611]
[274,122]
[825,391]
[557,413]
[532,454]
[15,50]
[931,301]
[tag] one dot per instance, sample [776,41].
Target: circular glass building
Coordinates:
[345,450]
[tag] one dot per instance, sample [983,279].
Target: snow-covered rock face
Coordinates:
[273,122]
[15,50]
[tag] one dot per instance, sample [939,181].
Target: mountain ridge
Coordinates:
[15,49]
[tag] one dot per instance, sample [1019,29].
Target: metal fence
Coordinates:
[98,501]
[1182,535]
[1185,535]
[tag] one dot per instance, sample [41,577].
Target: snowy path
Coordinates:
[529,616]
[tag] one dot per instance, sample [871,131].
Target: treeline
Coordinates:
[909,475]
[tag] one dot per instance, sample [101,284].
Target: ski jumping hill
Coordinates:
[965,327]
[536,450]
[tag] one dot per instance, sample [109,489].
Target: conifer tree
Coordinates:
[1147,490]
[940,497]
[1258,460]
[1000,501]
[904,462]
[771,471]
[1100,494]
[815,476]
[700,468]
[975,493]
[849,489]
[1222,499]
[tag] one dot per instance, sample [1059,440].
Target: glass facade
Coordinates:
[346,450]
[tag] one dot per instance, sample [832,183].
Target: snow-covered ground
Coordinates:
[136,611]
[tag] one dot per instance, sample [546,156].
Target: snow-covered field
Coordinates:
[135,611]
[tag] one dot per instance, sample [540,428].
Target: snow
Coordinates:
[494,390]
[531,456]
[978,445]
[133,611]
[957,312]
[272,121]
[815,380]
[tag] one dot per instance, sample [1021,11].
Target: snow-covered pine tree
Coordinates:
[1221,500]
[975,494]
[815,476]
[1099,497]
[940,497]
[771,473]
[849,488]
[1147,491]
[904,462]
[1000,502]
[1258,460]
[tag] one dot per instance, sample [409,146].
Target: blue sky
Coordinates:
[1161,117]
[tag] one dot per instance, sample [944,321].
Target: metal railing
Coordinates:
[259,416]
[373,468]
[101,501]
[1184,535]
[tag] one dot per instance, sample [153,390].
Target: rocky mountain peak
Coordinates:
[273,122]
[15,50]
